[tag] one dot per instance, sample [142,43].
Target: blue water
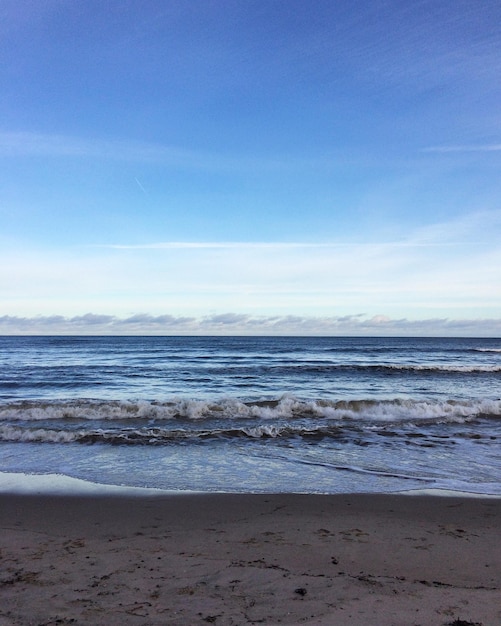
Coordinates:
[241,414]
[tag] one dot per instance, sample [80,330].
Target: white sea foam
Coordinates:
[28,435]
[447,493]
[487,349]
[458,369]
[59,484]
[264,431]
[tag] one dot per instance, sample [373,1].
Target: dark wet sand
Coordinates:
[249,559]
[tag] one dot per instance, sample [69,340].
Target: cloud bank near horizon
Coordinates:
[434,274]
[242,324]
[447,270]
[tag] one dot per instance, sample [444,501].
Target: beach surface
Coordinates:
[249,559]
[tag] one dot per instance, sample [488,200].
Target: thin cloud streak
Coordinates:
[271,245]
[219,245]
[465,148]
[34,144]
[242,324]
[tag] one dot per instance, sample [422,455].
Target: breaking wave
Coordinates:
[285,407]
[177,421]
[164,436]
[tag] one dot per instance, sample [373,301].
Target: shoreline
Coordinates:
[228,559]
[18,483]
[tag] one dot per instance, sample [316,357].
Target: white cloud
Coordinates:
[240,324]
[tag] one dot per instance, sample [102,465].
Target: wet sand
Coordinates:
[249,559]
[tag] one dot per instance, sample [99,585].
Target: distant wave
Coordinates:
[385,368]
[446,369]
[486,349]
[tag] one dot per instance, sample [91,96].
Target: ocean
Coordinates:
[254,414]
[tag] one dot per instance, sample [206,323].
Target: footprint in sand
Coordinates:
[355,534]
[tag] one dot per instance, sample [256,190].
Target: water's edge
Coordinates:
[18,483]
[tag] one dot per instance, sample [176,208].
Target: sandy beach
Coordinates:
[249,559]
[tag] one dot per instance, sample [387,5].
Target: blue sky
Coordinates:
[275,166]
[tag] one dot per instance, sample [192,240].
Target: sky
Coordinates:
[250,167]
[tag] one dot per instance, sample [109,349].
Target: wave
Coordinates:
[154,436]
[87,376]
[286,407]
[358,434]
[383,368]
[487,350]
[460,369]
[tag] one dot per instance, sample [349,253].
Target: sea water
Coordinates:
[254,414]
